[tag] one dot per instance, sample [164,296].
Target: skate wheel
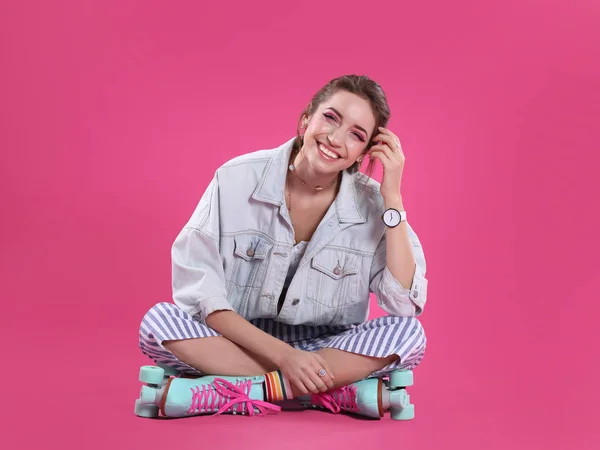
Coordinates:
[148,411]
[148,395]
[406,413]
[152,375]
[401,378]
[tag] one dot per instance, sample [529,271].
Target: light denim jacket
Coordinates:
[233,254]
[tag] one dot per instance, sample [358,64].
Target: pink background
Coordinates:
[116,113]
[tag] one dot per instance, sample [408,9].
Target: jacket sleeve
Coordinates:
[391,296]
[197,269]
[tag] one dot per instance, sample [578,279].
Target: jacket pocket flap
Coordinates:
[251,246]
[335,263]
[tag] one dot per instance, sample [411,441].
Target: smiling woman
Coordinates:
[272,273]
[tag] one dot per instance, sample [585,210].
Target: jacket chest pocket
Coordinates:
[250,260]
[333,278]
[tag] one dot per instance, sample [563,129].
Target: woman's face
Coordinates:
[338,132]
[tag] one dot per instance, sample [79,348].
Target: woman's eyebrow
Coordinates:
[342,117]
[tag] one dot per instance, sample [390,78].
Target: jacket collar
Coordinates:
[271,187]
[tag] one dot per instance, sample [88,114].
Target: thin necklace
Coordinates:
[289,193]
[289,197]
[317,187]
[289,190]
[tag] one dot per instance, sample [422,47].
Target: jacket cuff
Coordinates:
[209,305]
[417,292]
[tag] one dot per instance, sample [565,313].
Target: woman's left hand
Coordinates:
[389,151]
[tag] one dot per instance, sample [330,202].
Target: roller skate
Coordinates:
[167,394]
[369,397]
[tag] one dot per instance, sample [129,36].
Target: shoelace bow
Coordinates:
[228,397]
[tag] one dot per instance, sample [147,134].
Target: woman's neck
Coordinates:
[306,180]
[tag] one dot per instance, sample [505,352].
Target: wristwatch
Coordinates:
[392,217]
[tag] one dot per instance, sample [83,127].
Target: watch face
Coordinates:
[391,218]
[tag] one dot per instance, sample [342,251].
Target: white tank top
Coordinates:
[296,255]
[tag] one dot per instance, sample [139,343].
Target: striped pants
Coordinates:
[381,337]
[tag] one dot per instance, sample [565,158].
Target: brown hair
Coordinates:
[365,88]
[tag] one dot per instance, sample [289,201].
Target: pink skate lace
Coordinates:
[338,399]
[228,397]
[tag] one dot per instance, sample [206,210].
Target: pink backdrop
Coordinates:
[116,113]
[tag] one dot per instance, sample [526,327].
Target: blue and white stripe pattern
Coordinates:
[381,337]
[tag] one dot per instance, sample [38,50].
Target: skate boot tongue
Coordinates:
[342,399]
[228,397]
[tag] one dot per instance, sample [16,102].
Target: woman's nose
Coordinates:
[333,141]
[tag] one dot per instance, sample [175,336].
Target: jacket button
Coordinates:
[337,271]
[416,294]
[250,252]
[295,301]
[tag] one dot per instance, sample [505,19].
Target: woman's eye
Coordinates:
[332,117]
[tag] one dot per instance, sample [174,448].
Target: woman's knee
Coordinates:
[416,342]
[163,309]
[161,313]
[411,332]
[419,329]
[410,324]
[154,323]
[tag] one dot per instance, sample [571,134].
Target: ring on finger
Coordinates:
[322,373]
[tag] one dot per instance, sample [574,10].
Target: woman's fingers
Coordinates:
[311,374]
[299,385]
[329,376]
[390,138]
[384,139]
[381,156]
[310,384]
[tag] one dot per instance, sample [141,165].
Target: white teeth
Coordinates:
[327,152]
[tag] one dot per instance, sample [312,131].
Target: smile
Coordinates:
[327,152]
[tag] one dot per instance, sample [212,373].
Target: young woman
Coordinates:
[272,273]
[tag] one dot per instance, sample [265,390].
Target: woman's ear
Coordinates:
[305,120]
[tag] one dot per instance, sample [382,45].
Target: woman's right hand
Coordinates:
[302,368]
